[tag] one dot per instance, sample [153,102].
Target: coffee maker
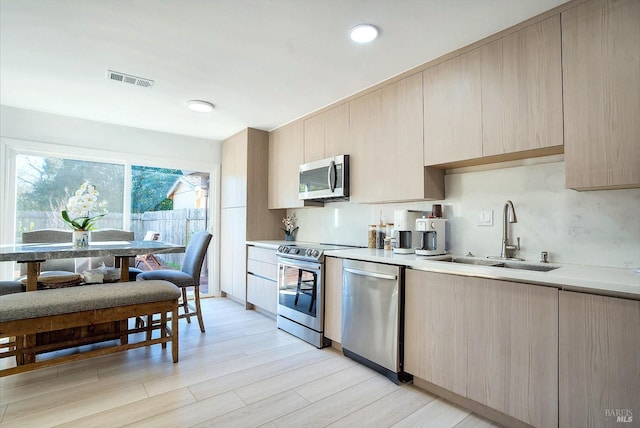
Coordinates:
[433,234]
[403,224]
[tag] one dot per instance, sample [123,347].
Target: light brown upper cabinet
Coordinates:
[500,101]
[386,128]
[327,134]
[601,72]
[285,157]
[234,171]
[522,90]
[452,110]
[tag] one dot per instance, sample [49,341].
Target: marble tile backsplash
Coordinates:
[599,228]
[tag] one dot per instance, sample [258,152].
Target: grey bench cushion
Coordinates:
[59,301]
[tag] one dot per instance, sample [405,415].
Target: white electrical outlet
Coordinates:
[485,218]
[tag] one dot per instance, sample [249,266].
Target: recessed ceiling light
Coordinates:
[200,106]
[363,33]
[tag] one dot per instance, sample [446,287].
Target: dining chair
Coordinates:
[10,287]
[50,236]
[106,235]
[187,276]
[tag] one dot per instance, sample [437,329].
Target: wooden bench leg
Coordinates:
[124,326]
[19,344]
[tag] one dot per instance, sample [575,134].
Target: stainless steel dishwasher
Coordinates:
[372,316]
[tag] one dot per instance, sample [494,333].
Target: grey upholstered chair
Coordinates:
[10,287]
[50,236]
[105,235]
[188,276]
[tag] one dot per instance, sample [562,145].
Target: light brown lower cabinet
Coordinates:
[494,342]
[599,361]
[333,299]
[262,278]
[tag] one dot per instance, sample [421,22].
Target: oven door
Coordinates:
[300,292]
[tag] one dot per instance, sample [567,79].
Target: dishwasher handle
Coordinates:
[371,274]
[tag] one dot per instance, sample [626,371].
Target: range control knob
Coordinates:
[315,253]
[309,253]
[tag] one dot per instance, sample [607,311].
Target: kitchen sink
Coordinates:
[504,264]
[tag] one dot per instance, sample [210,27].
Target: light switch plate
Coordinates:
[485,218]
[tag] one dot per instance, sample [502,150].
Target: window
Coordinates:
[174,203]
[44,185]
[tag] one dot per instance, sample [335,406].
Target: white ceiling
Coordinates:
[263,63]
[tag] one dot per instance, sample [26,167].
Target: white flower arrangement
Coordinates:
[79,206]
[290,227]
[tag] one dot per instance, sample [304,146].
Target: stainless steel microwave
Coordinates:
[325,179]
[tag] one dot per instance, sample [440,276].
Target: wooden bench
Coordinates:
[25,315]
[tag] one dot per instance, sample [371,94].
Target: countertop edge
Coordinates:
[608,281]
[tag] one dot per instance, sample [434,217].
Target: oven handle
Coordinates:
[371,274]
[332,176]
[299,264]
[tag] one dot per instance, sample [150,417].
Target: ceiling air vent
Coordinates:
[127,78]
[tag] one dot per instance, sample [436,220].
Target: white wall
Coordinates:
[142,144]
[596,228]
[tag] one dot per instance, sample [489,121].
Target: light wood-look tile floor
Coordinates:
[243,372]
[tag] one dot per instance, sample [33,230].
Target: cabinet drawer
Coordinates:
[262,254]
[265,270]
[262,293]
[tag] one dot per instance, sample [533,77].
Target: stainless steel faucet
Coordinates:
[508,216]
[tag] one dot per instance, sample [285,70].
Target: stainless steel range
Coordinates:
[301,290]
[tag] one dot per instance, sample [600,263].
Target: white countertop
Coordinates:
[589,279]
[592,279]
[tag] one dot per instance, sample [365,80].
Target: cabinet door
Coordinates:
[368,149]
[239,250]
[314,138]
[285,157]
[327,134]
[233,258]
[401,166]
[435,335]
[599,360]
[234,171]
[387,144]
[226,257]
[262,292]
[601,89]
[452,110]
[521,90]
[336,131]
[513,349]
[333,299]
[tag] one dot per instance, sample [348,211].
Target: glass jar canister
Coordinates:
[380,235]
[371,237]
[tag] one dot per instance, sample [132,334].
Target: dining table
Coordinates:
[34,254]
